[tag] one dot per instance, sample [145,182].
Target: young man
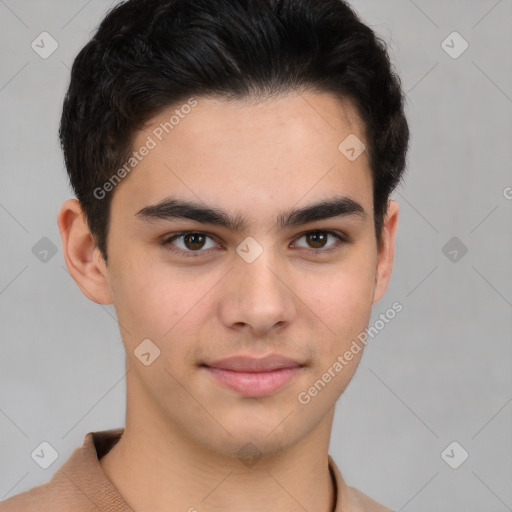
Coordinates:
[232,162]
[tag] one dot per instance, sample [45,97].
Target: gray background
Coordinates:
[439,372]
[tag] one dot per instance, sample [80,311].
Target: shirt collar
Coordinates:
[84,471]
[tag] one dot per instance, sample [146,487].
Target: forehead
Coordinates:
[314,119]
[247,154]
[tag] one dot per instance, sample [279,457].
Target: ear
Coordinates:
[83,258]
[386,251]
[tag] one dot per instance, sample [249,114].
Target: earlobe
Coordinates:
[83,258]
[386,251]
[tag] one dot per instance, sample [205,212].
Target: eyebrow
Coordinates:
[172,208]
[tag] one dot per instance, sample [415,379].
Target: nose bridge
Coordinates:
[259,296]
[258,265]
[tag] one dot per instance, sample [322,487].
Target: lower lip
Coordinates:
[254,384]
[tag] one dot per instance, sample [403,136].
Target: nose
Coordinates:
[259,296]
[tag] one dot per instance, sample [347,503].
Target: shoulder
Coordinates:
[78,485]
[51,496]
[351,499]
[361,502]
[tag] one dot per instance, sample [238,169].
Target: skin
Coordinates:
[183,429]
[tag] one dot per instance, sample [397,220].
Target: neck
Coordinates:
[157,467]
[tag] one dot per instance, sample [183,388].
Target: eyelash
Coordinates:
[342,239]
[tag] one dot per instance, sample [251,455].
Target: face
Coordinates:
[274,253]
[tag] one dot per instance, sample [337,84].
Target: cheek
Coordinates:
[344,295]
[156,302]
[141,298]
[343,305]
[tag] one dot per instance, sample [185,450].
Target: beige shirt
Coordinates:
[80,485]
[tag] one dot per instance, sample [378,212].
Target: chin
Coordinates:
[267,436]
[249,448]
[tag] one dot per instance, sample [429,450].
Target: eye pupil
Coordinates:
[317,238]
[193,239]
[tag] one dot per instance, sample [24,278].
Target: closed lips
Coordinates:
[254,365]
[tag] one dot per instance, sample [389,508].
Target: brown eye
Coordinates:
[194,241]
[317,239]
[189,243]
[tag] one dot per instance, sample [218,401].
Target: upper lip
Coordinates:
[255,364]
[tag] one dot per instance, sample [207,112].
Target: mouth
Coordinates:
[254,377]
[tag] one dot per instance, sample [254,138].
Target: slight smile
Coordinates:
[254,377]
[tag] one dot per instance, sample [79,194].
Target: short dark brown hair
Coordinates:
[150,54]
